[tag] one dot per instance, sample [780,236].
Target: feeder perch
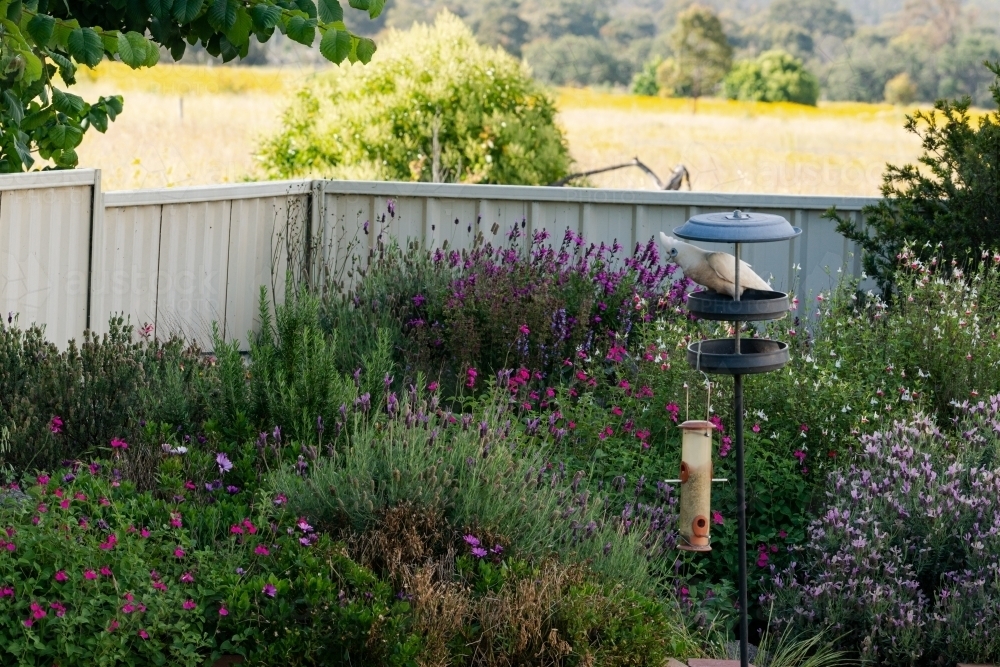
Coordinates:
[696,485]
[732,356]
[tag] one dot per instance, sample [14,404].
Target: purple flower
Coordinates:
[269,590]
[419,300]
[471,540]
[225,465]
[479,552]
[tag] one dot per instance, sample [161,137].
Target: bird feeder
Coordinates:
[737,356]
[696,485]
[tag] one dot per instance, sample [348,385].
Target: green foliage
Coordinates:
[644,82]
[774,76]
[42,38]
[701,56]
[947,206]
[577,60]
[434,106]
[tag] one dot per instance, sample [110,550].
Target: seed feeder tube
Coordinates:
[696,485]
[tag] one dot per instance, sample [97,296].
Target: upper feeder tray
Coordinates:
[737,227]
[754,306]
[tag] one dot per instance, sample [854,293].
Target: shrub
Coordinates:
[774,76]
[904,564]
[644,81]
[900,89]
[945,207]
[433,105]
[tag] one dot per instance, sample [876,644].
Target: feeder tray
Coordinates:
[753,306]
[757,355]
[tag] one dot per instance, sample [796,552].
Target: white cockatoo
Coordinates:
[714,270]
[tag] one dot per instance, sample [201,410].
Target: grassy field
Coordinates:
[186,125]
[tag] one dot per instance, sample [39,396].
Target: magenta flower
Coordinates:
[37,612]
[144,532]
[128,608]
[189,605]
[524,329]
[304,527]
[280,499]
[223,611]
[61,576]
[717,517]
[6,591]
[109,543]
[471,376]
[56,425]
[43,480]
[261,550]
[143,634]
[175,520]
[119,444]
[756,428]
[178,553]
[800,455]
[419,300]
[187,578]
[269,590]
[432,387]
[11,547]
[59,608]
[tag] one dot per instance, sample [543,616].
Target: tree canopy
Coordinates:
[43,39]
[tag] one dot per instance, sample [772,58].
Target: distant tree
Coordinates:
[961,70]
[644,81]
[817,17]
[701,56]
[900,89]
[576,60]
[499,23]
[786,36]
[774,76]
[551,19]
[434,106]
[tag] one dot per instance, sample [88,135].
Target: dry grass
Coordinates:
[728,146]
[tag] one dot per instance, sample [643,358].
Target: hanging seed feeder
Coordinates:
[736,356]
[696,485]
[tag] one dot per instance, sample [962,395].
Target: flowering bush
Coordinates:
[904,563]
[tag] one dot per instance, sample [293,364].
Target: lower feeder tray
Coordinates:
[753,306]
[757,355]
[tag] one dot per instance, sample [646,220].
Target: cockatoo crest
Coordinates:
[714,270]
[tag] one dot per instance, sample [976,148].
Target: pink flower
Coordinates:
[617,411]
[175,520]
[269,590]
[303,526]
[249,526]
[524,329]
[56,425]
[717,517]
[756,428]
[189,605]
[58,608]
[143,634]
[236,529]
[804,428]
[187,578]
[189,485]
[128,608]
[432,387]
[104,502]
[6,592]
[118,443]
[114,625]
[800,455]
[106,571]
[61,576]
[223,611]
[160,586]
[782,534]
[144,532]
[37,612]
[11,547]
[89,575]
[280,499]
[178,553]
[43,480]
[261,550]
[471,376]
[64,504]
[109,543]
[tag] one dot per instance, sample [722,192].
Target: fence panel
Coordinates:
[45,230]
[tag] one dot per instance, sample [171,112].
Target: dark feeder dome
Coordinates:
[736,356]
[748,355]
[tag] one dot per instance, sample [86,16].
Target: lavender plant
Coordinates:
[904,563]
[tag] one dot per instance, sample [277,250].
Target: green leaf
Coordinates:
[365,50]
[239,33]
[40,28]
[85,46]
[67,103]
[265,17]
[24,153]
[133,49]
[152,54]
[360,4]
[15,108]
[302,30]
[67,69]
[186,11]
[67,158]
[330,11]
[222,14]
[159,8]
[62,135]
[375,8]
[335,45]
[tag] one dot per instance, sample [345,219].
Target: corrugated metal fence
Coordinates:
[181,259]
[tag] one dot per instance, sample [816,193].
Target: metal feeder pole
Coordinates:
[741,492]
